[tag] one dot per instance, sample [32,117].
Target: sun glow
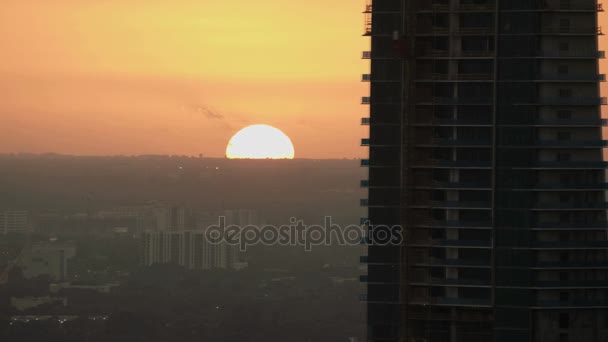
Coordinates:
[260,142]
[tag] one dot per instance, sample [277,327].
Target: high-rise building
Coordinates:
[190,249]
[47,259]
[486,146]
[13,221]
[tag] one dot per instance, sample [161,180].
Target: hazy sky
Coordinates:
[180,76]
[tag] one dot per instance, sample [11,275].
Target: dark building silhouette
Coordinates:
[486,145]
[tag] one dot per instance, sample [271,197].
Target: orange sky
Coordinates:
[180,76]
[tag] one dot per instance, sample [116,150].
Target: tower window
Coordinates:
[564,321]
[566,92]
[564,114]
[563,135]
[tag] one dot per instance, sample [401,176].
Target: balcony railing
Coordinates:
[583,101]
[476,31]
[557,143]
[571,225]
[434,163]
[584,53]
[455,100]
[450,282]
[558,186]
[430,121]
[453,142]
[453,204]
[581,78]
[578,303]
[556,165]
[571,283]
[573,205]
[559,122]
[573,6]
[451,262]
[445,301]
[572,30]
[454,224]
[457,77]
[569,244]
[490,7]
[430,184]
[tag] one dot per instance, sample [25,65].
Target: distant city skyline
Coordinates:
[117,77]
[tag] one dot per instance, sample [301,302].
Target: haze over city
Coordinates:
[342,171]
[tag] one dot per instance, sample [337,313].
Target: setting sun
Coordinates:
[260,142]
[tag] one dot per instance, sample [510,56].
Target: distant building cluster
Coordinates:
[47,259]
[191,249]
[13,221]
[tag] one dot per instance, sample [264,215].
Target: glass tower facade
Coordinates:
[486,145]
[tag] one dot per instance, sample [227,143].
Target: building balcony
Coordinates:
[454,101]
[432,30]
[576,54]
[559,187]
[449,164]
[452,204]
[462,224]
[366,55]
[476,31]
[574,303]
[560,123]
[570,101]
[431,121]
[489,7]
[571,30]
[561,245]
[432,281]
[366,100]
[437,262]
[574,225]
[573,205]
[372,78]
[569,165]
[424,77]
[430,6]
[571,284]
[381,7]
[557,144]
[365,121]
[454,142]
[569,265]
[573,6]
[445,301]
[422,242]
[569,78]
[430,184]
[444,54]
